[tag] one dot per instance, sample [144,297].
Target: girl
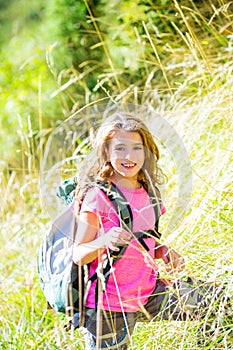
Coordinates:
[126,155]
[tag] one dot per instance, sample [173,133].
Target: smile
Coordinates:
[128,165]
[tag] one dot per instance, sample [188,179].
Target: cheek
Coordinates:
[115,160]
[141,156]
[115,156]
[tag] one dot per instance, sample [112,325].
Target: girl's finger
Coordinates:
[114,248]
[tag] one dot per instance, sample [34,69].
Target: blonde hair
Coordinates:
[96,167]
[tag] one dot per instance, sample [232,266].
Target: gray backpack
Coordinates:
[63,282]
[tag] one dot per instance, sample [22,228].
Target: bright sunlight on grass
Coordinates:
[193,92]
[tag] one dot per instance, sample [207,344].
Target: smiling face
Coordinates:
[126,155]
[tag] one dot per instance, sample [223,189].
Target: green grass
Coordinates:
[204,235]
[200,110]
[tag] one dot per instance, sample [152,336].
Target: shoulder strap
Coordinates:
[156,200]
[124,211]
[66,193]
[119,202]
[126,220]
[122,208]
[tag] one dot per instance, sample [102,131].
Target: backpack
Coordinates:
[62,281]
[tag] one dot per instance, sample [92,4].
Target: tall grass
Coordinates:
[200,110]
[204,236]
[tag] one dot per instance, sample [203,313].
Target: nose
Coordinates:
[128,154]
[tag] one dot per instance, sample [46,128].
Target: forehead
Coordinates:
[122,136]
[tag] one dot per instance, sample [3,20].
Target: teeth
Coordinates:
[129,165]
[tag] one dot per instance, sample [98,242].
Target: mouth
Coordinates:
[128,166]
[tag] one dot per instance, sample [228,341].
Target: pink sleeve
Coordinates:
[95,201]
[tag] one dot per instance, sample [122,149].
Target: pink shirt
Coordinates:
[133,277]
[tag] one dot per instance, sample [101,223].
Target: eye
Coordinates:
[119,148]
[138,148]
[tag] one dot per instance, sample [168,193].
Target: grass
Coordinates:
[200,112]
[204,235]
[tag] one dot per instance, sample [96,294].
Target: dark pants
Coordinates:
[113,330]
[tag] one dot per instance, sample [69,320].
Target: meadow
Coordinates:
[199,218]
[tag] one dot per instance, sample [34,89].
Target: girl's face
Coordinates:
[126,154]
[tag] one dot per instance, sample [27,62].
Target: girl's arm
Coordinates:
[90,245]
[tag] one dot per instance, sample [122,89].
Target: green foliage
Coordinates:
[57,56]
[72,15]
[26,82]
[123,45]
[78,36]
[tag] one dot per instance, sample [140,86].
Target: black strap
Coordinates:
[124,211]
[119,202]
[156,200]
[147,234]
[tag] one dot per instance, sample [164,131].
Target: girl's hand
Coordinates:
[115,237]
[173,260]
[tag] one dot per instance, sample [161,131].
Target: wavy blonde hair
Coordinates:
[96,167]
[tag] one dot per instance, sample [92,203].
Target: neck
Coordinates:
[126,182]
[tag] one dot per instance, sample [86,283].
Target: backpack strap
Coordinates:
[119,202]
[124,211]
[122,207]
[66,194]
[156,200]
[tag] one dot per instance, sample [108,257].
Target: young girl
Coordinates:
[126,155]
